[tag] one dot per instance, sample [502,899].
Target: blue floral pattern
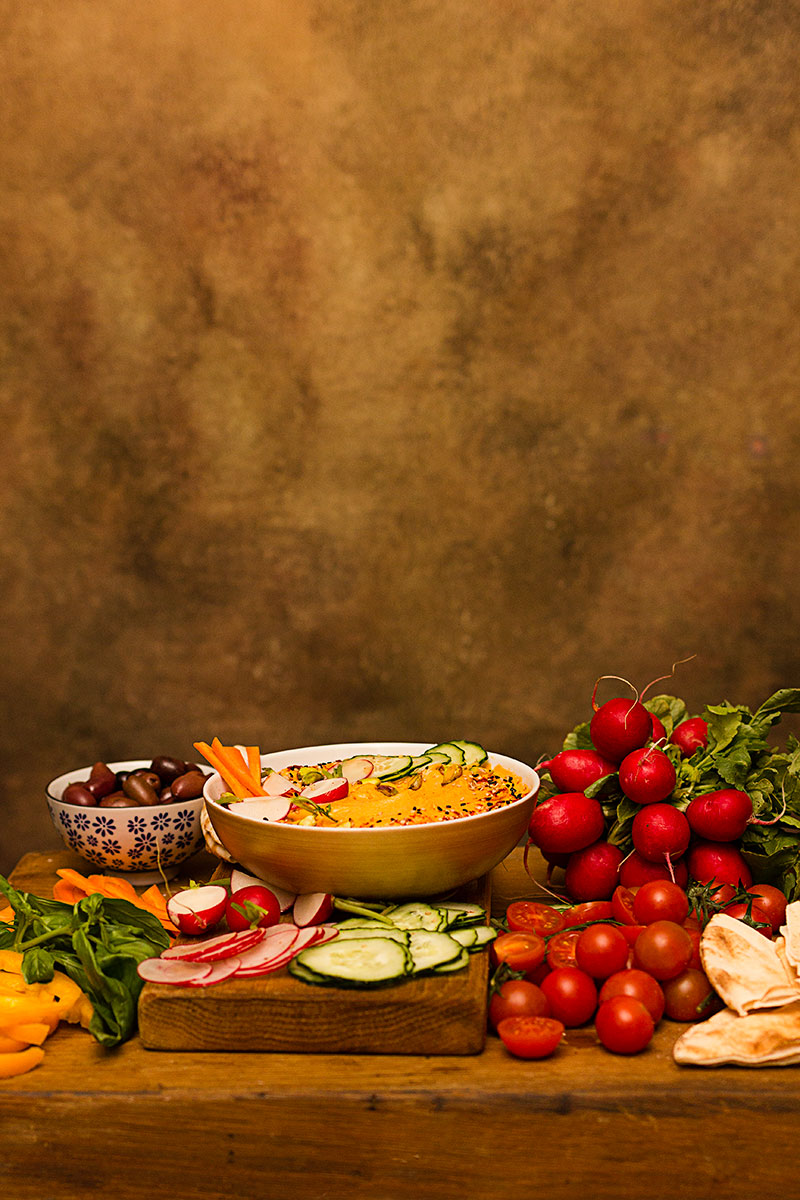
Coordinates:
[130,840]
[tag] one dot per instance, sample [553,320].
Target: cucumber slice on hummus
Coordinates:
[454,752]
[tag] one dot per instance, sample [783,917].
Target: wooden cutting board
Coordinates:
[443,1014]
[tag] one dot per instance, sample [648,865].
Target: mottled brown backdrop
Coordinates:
[389,368]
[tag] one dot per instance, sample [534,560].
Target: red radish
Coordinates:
[276,784]
[772,901]
[619,726]
[718,861]
[194,910]
[566,822]
[636,870]
[224,968]
[593,873]
[165,970]
[225,945]
[313,908]
[268,808]
[690,736]
[647,776]
[355,769]
[325,790]
[280,939]
[240,879]
[659,732]
[660,833]
[720,816]
[254,905]
[576,770]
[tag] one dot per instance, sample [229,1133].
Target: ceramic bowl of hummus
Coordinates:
[423,834]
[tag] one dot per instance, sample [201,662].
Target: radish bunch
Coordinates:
[646,791]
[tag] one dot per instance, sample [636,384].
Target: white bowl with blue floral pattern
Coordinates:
[145,843]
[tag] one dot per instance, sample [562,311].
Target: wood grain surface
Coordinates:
[443,1014]
[219,1126]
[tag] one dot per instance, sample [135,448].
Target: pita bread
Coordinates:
[760,1039]
[791,934]
[744,967]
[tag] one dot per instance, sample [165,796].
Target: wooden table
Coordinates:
[137,1123]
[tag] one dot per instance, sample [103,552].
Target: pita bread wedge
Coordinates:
[791,934]
[761,1039]
[744,967]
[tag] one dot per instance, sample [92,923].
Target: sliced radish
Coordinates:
[278,785]
[357,768]
[268,808]
[313,908]
[224,969]
[326,789]
[164,970]
[271,948]
[240,879]
[225,945]
[194,910]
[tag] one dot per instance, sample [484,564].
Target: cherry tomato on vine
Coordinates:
[690,997]
[624,1025]
[520,951]
[517,998]
[572,995]
[590,910]
[771,901]
[660,900]
[638,984]
[663,949]
[601,950]
[530,1037]
[530,917]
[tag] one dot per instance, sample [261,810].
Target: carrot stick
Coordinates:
[235,774]
[254,764]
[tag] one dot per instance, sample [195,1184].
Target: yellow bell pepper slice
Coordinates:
[19,1061]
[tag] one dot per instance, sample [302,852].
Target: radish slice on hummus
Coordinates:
[312,909]
[266,808]
[326,789]
[357,768]
[277,785]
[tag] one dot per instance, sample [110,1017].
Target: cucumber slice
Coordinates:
[454,752]
[356,962]
[417,915]
[473,753]
[384,765]
[362,923]
[372,931]
[465,937]
[416,764]
[429,950]
[484,934]
[436,756]
[463,912]
[457,964]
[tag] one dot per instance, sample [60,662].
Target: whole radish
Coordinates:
[718,861]
[566,822]
[720,816]
[660,833]
[576,770]
[647,776]
[636,870]
[619,726]
[690,735]
[593,873]
[659,732]
[252,906]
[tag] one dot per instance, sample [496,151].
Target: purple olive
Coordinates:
[77,793]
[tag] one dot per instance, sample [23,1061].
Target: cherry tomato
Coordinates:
[517,998]
[771,901]
[690,997]
[590,910]
[520,951]
[694,937]
[624,1025]
[240,916]
[561,949]
[622,905]
[663,949]
[530,917]
[572,995]
[530,1037]
[638,984]
[632,932]
[760,919]
[601,950]
[660,900]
